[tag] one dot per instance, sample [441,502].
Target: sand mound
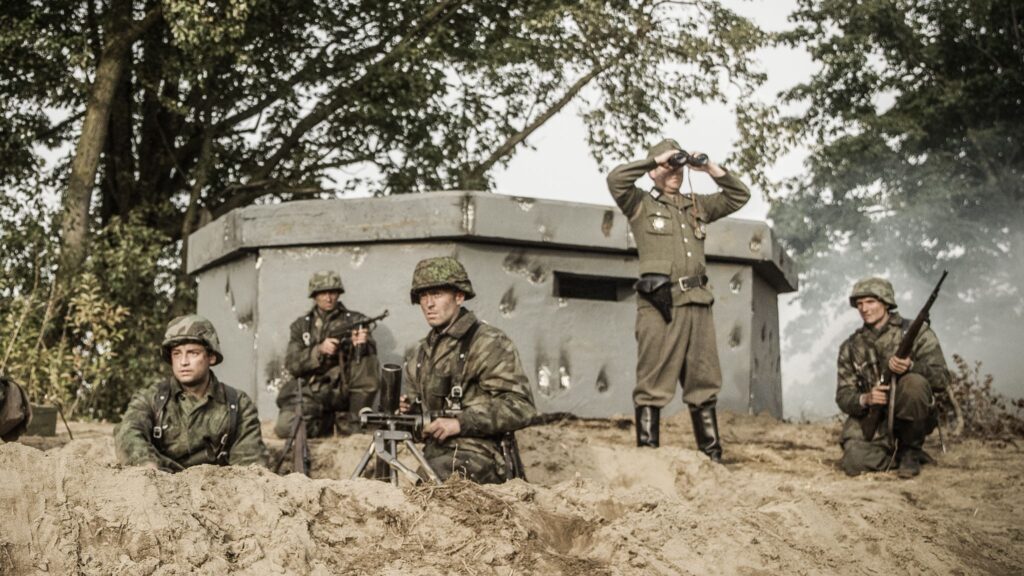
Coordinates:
[595,505]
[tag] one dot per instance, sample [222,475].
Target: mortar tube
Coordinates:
[390,387]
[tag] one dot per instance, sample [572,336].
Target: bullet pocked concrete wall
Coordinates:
[555,276]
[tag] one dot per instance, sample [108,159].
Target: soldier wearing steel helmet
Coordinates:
[863,358]
[339,376]
[463,361]
[190,418]
[675,329]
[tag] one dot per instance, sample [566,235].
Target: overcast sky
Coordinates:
[560,167]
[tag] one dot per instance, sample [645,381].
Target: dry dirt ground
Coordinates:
[594,505]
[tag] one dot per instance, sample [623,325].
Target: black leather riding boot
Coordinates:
[647,419]
[705,428]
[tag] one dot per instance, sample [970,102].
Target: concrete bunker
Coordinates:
[556,276]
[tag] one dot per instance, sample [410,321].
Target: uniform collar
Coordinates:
[678,200]
[214,391]
[895,320]
[339,308]
[458,329]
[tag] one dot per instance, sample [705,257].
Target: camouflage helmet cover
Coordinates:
[191,329]
[662,147]
[875,287]
[443,271]
[324,281]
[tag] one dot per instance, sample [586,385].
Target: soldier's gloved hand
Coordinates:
[878,395]
[442,429]
[328,347]
[403,404]
[360,336]
[900,365]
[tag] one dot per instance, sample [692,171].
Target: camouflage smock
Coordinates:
[496,396]
[865,355]
[319,371]
[667,228]
[187,424]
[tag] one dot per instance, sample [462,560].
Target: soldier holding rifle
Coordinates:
[868,367]
[338,368]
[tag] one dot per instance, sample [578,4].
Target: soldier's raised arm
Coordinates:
[622,184]
[734,195]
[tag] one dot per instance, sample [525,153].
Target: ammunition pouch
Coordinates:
[657,290]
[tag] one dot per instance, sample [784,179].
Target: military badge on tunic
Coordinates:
[700,231]
[658,224]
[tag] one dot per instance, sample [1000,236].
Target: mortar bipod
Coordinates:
[384,445]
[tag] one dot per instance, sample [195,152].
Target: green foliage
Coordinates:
[982,413]
[105,345]
[318,97]
[224,103]
[917,154]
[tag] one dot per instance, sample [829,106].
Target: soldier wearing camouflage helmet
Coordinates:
[863,360]
[464,362]
[675,329]
[339,373]
[190,418]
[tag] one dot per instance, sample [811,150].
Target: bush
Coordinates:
[102,346]
[983,412]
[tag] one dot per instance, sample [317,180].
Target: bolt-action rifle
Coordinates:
[869,425]
[297,443]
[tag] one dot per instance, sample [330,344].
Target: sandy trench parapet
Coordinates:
[595,505]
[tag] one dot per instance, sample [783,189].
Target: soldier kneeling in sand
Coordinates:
[339,372]
[192,417]
[467,363]
[863,359]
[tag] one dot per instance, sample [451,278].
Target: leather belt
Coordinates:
[687,283]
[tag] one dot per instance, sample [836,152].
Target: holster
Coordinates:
[656,289]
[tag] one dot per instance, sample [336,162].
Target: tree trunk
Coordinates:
[75,225]
[74,240]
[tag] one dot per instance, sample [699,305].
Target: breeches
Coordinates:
[681,351]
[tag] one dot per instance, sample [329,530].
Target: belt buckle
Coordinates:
[683,287]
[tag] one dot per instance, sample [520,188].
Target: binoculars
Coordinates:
[681,159]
